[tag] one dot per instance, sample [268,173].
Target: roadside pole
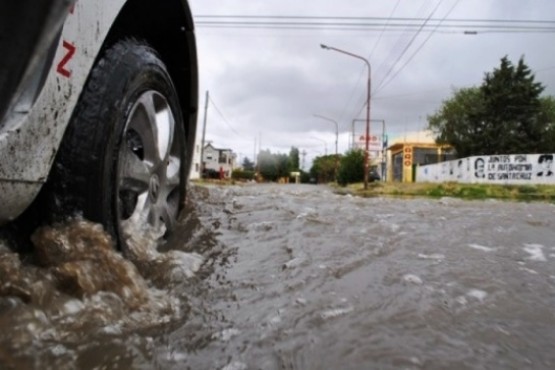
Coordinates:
[203,134]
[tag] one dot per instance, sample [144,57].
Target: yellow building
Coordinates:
[411,151]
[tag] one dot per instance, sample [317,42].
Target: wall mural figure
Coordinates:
[545,162]
[479,166]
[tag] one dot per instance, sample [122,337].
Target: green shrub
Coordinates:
[243,175]
[351,169]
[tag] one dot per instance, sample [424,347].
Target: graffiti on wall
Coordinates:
[503,167]
[506,169]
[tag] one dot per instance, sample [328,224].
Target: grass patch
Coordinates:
[544,193]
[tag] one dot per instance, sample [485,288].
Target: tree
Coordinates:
[351,169]
[512,106]
[504,115]
[458,124]
[323,168]
[273,166]
[547,120]
[267,165]
[248,165]
[294,159]
[282,165]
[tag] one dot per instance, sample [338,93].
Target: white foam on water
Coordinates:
[73,306]
[112,329]
[535,251]
[143,245]
[275,320]
[181,264]
[481,248]
[434,256]
[414,279]
[462,300]
[226,334]
[236,365]
[58,350]
[394,227]
[295,262]
[415,361]
[336,312]
[177,356]
[478,294]
[261,226]
[530,271]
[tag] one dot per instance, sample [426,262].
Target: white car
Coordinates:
[98,110]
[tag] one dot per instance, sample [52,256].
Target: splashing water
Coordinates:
[76,285]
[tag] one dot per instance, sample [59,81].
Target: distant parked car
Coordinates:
[373,176]
[209,173]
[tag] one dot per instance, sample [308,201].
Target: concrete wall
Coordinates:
[195,166]
[492,169]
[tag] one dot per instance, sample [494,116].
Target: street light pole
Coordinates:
[336,140]
[366,153]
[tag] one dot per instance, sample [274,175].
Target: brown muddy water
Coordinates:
[291,277]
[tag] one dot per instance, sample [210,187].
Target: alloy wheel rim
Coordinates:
[149,169]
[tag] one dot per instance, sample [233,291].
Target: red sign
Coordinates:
[374,142]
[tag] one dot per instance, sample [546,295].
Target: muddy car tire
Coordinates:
[123,160]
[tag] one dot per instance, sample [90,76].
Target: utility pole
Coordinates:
[254,159]
[207,98]
[384,152]
[257,168]
[304,156]
[368,94]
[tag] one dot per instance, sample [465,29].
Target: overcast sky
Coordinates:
[267,84]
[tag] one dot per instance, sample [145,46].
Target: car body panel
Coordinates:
[31,135]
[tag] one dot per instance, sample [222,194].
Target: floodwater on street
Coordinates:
[291,277]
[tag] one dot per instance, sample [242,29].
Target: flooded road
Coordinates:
[292,277]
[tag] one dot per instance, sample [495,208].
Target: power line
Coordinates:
[415,19]
[409,44]
[383,29]
[417,50]
[394,51]
[369,57]
[381,24]
[398,44]
[223,117]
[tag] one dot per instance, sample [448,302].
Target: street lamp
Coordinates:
[336,139]
[366,153]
